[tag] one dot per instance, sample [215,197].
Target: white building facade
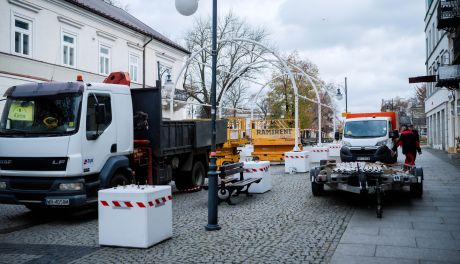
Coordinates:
[54,40]
[440,105]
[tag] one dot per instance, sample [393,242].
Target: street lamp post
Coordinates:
[188,7]
[340,96]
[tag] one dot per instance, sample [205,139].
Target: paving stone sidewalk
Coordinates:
[285,225]
[425,230]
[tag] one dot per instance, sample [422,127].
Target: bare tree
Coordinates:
[264,106]
[232,57]
[236,96]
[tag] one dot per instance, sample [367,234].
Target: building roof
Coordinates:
[124,18]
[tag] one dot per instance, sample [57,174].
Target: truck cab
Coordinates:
[368,138]
[61,141]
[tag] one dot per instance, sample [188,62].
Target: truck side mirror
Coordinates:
[394,134]
[337,136]
[100,113]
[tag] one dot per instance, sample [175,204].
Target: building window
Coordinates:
[69,49]
[133,67]
[22,36]
[104,60]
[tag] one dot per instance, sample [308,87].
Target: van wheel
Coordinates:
[118,179]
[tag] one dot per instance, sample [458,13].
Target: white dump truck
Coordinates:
[60,142]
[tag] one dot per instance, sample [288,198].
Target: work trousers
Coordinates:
[410,158]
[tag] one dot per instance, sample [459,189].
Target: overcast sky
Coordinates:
[377,44]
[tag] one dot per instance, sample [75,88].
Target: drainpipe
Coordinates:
[143,61]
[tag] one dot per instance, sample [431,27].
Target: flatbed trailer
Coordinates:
[366,178]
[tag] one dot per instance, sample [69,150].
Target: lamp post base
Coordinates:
[212,227]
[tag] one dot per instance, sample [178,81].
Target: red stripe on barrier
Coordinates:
[104,203]
[169,197]
[128,204]
[164,199]
[150,203]
[141,204]
[116,203]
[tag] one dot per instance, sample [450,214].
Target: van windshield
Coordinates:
[52,115]
[365,129]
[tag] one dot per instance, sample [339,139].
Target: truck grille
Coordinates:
[34,164]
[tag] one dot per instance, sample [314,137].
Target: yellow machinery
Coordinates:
[272,138]
[236,136]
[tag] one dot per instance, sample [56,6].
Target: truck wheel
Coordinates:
[185,181]
[118,179]
[198,174]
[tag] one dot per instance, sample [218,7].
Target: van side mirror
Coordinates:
[394,134]
[337,136]
[100,113]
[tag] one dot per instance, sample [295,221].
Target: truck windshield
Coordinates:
[52,115]
[365,129]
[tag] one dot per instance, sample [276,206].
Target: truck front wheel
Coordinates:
[118,179]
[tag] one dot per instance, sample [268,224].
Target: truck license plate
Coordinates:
[363,158]
[57,202]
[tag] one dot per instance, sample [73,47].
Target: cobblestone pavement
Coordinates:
[285,225]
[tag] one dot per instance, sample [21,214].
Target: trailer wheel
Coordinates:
[316,188]
[416,189]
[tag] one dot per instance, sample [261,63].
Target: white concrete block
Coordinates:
[258,169]
[135,216]
[296,161]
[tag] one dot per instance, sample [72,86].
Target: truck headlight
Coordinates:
[2,185]
[381,143]
[346,143]
[71,186]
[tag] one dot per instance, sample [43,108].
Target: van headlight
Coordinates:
[381,143]
[346,143]
[71,186]
[2,185]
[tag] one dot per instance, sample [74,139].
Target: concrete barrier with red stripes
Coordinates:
[135,216]
[296,161]
[319,153]
[334,150]
[258,169]
[130,204]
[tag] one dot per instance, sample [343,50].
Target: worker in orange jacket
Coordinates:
[410,144]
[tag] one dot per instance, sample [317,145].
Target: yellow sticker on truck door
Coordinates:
[21,111]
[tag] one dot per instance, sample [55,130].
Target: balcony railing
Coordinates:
[448,14]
